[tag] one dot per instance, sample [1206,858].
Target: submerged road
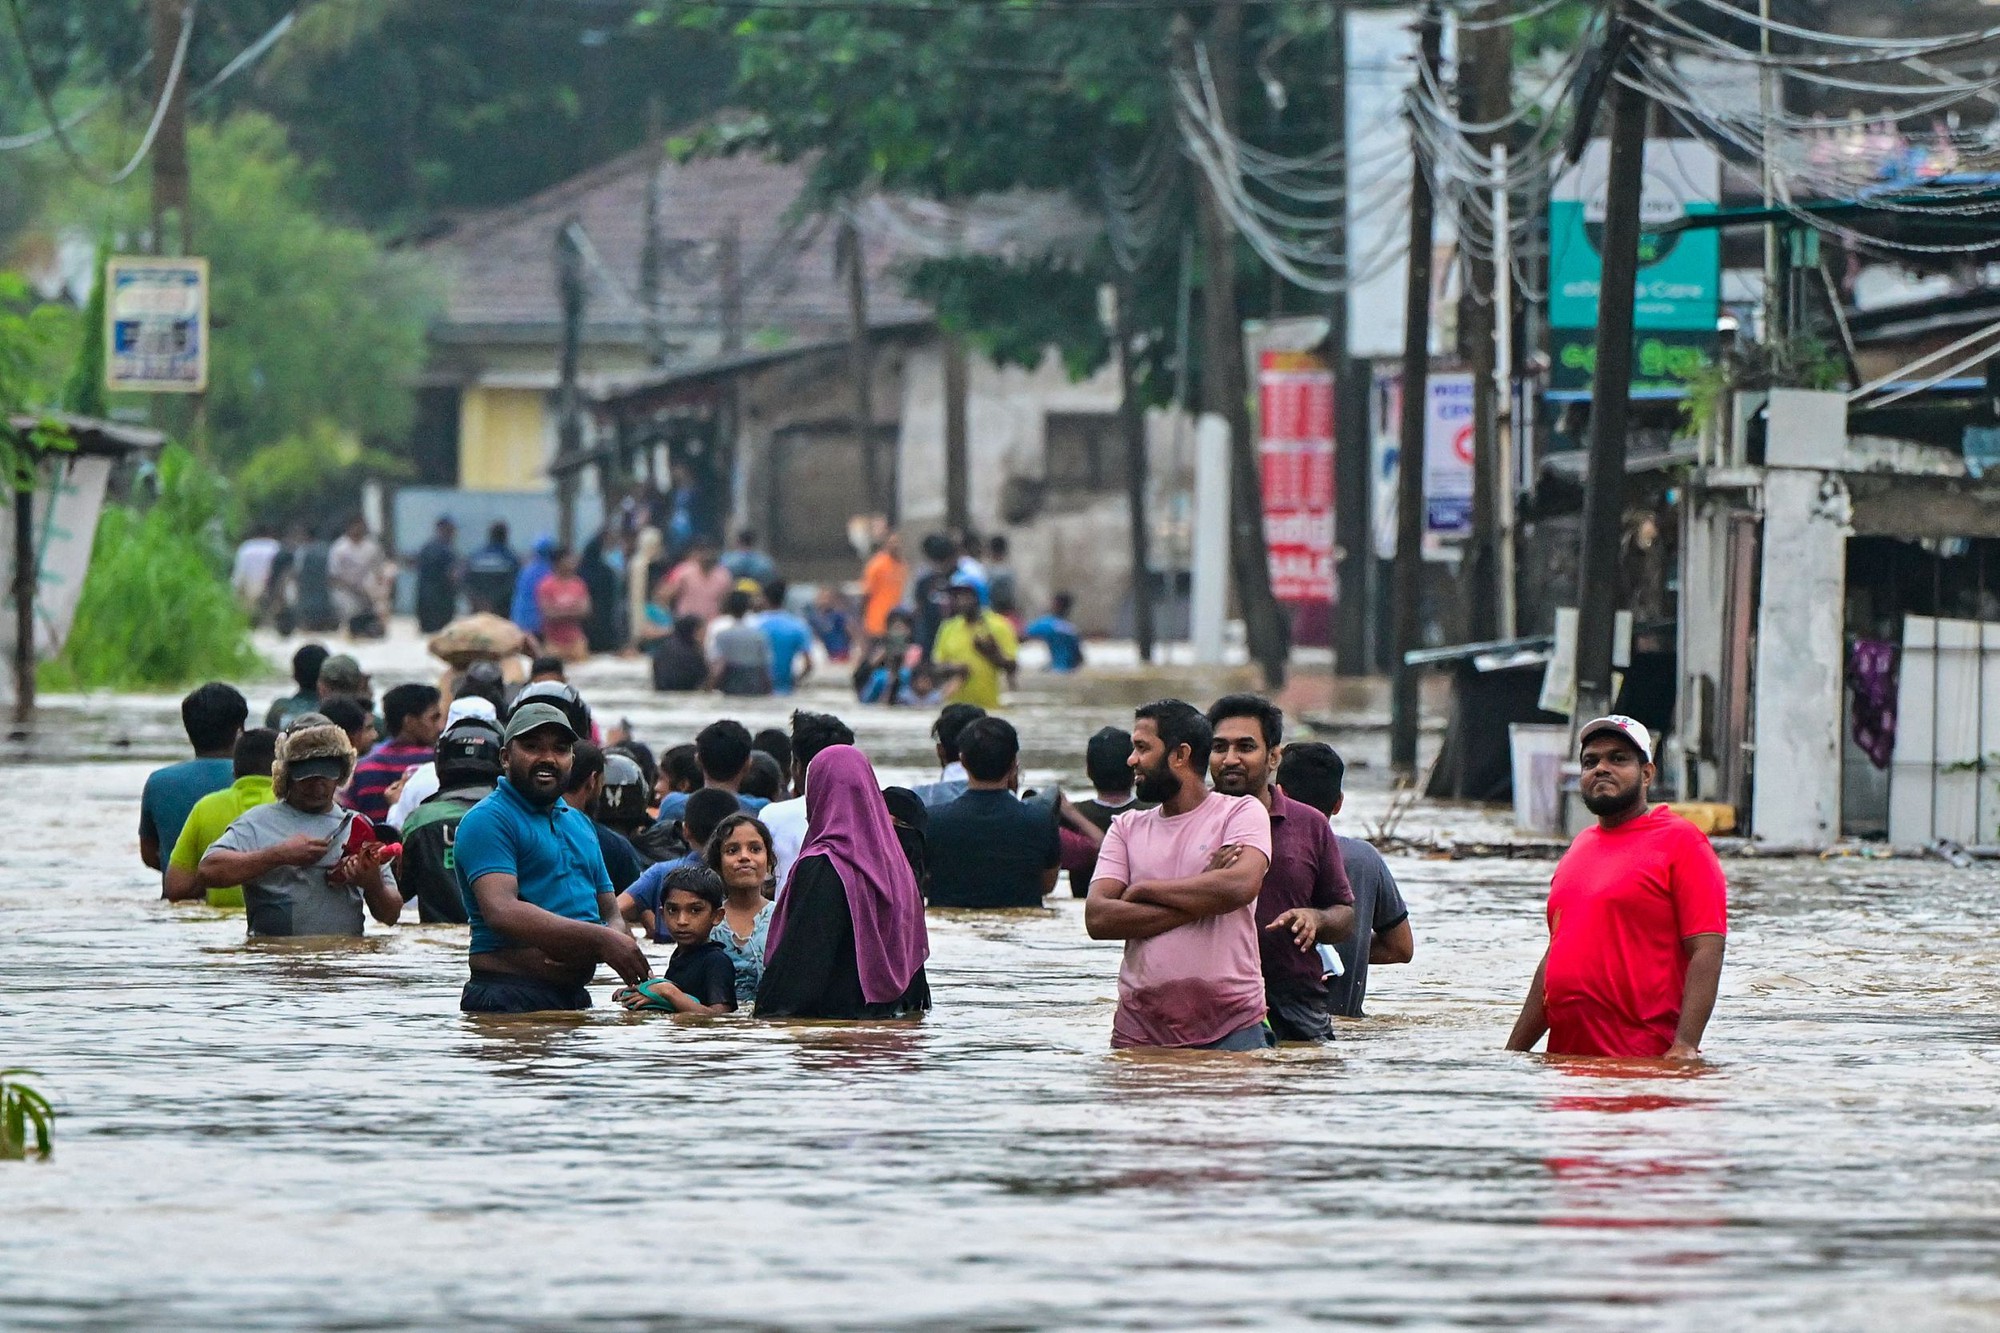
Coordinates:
[313,1137]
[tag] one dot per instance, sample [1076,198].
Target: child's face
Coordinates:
[688,918]
[746,862]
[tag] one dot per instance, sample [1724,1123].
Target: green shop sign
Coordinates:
[1680,274]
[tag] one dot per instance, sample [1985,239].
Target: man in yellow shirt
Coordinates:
[974,647]
[215,812]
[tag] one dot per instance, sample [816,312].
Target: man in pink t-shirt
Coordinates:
[697,585]
[1191,975]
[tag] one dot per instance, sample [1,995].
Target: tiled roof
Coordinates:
[500,266]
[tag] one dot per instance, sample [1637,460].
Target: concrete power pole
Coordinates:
[1610,394]
[1406,582]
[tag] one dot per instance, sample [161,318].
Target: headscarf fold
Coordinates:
[848,823]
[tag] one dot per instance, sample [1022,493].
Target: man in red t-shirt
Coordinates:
[1637,914]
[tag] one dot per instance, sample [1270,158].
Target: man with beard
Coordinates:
[1179,885]
[537,895]
[1637,914]
[1305,901]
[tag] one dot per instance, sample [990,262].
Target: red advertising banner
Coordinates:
[1295,430]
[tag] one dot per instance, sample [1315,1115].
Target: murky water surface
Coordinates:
[314,1137]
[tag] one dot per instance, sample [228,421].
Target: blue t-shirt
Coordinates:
[170,795]
[552,852]
[788,637]
[675,803]
[1065,644]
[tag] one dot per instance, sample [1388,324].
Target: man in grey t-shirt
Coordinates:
[1312,773]
[306,865]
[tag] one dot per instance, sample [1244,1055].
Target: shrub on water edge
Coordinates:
[157,611]
[23,1112]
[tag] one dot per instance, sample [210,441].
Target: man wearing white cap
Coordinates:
[1637,914]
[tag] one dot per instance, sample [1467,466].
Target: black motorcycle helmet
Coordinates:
[469,751]
[622,803]
[563,695]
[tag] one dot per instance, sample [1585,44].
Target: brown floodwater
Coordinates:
[313,1137]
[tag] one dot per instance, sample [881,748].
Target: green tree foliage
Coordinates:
[307,478]
[411,106]
[32,336]
[313,322]
[155,565]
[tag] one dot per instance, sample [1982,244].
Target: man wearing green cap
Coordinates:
[536,891]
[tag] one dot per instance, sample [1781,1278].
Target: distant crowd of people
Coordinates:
[789,882]
[710,618]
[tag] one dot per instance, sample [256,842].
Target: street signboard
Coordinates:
[156,325]
[1680,274]
[1295,430]
[1448,457]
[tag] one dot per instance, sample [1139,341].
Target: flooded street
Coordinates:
[286,1136]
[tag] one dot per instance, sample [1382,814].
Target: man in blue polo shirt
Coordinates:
[536,891]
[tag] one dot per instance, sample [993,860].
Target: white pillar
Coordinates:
[1210,595]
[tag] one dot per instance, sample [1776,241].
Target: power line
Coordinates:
[61,134]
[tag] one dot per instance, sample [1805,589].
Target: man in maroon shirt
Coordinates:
[1305,901]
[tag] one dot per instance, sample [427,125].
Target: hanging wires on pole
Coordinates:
[60,131]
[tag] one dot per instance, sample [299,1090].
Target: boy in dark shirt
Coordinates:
[700,979]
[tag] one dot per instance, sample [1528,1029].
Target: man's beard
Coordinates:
[1614,803]
[1156,785]
[523,780]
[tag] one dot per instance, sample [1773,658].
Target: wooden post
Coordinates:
[1132,420]
[729,271]
[852,258]
[957,374]
[24,604]
[1407,579]
[569,405]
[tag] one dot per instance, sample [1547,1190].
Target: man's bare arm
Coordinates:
[559,937]
[1109,915]
[1212,892]
[149,851]
[1534,1020]
[1704,976]
[1394,945]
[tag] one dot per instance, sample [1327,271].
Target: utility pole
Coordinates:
[651,253]
[1486,94]
[729,275]
[1132,421]
[1353,474]
[569,402]
[853,262]
[1503,391]
[1406,583]
[1610,392]
[173,232]
[1225,388]
[957,374]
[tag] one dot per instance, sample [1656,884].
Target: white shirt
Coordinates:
[787,822]
[253,566]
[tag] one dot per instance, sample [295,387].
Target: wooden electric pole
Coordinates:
[1406,583]
[853,264]
[1132,423]
[1225,381]
[1486,94]
[957,437]
[1353,470]
[172,226]
[1610,396]
[569,401]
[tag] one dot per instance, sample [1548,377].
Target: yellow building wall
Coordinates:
[503,439]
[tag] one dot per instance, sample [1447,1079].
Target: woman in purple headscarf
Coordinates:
[848,938]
